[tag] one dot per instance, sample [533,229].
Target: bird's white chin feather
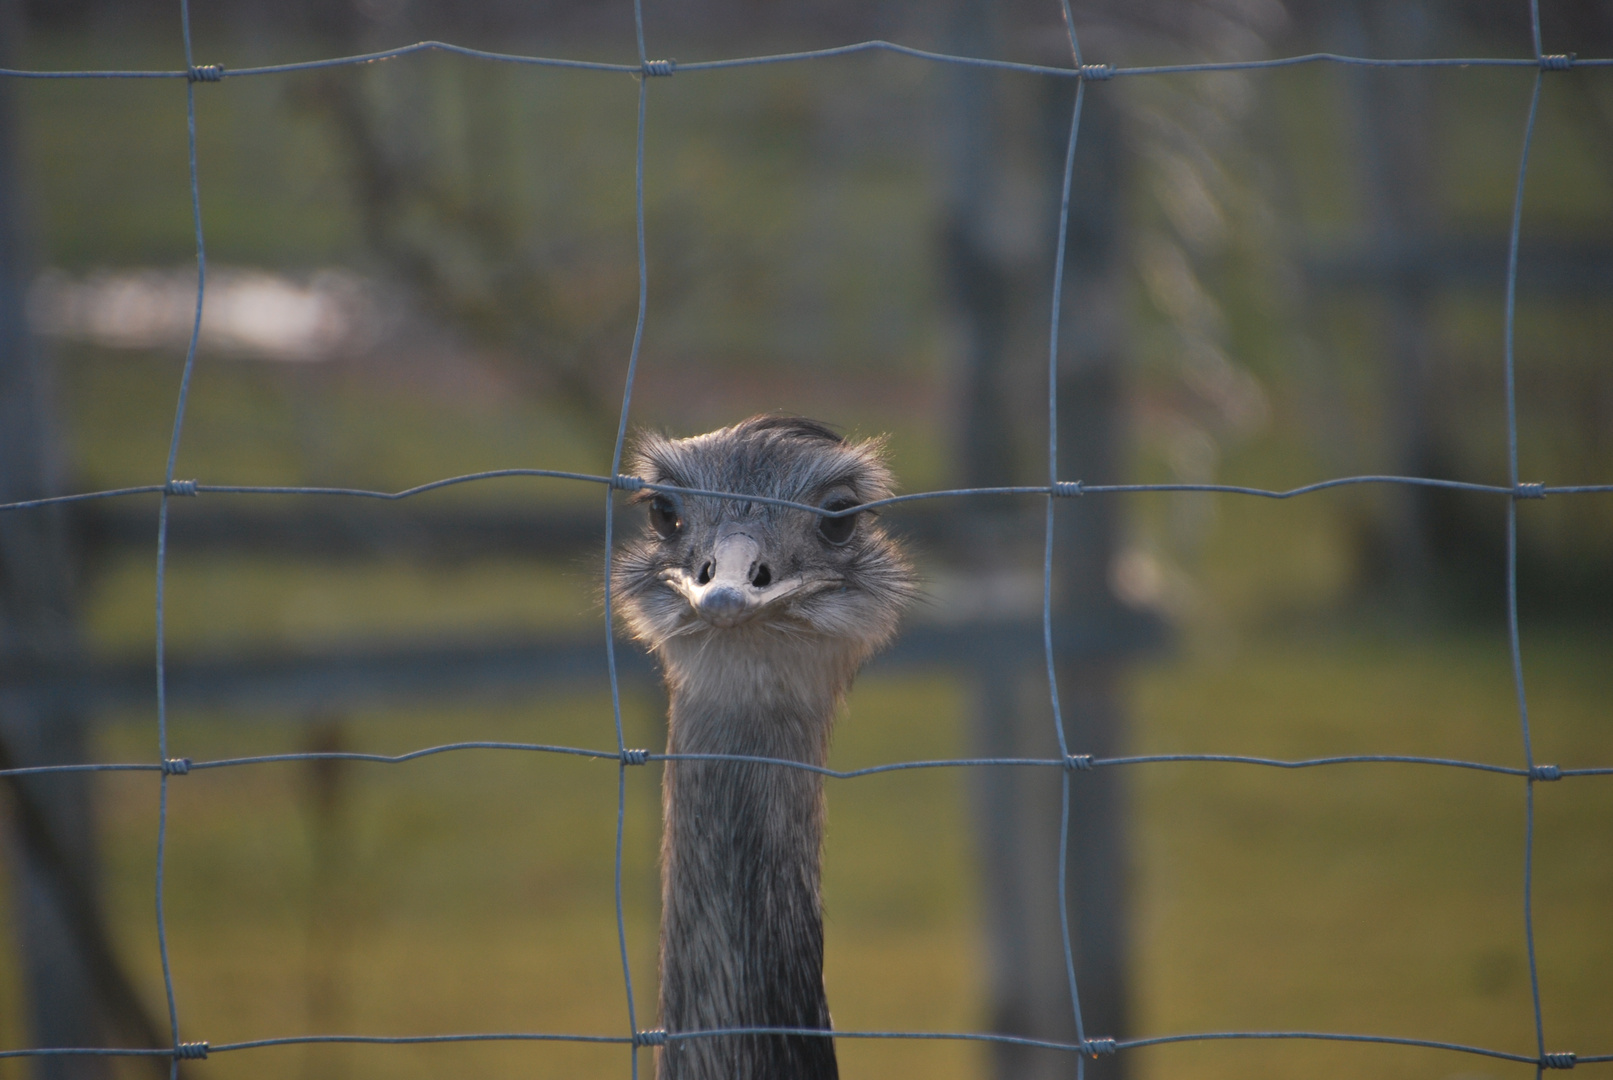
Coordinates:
[805,649]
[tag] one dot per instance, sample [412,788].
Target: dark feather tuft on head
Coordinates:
[794,426]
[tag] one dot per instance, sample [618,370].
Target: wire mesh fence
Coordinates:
[185,1045]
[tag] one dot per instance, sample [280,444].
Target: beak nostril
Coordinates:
[762,577]
[705,574]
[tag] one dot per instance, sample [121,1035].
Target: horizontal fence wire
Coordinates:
[1068,762]
[1060,488]
[1092,72]
[1076,762]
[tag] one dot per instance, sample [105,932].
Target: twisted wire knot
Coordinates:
[626,483]
[1097,72]
[205,73]
[1562,1060]
[1067,489]
[191,1051]
[175,766]
[1557,62]
[659,67]
[1078,762]
[1094,1047]
[186,488]
[1529,491]
[655,1037]
[635,757]
[1545,772]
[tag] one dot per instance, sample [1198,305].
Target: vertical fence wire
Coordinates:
[610,515]
[162,540]
[1060,246]
[1067,762]
[1514,643]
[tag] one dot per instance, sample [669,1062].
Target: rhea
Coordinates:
[759,615]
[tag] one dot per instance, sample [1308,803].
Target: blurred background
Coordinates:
[427,267]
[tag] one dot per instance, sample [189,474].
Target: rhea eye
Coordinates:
[837,530]
[666,516]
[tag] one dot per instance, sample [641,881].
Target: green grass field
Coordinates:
[473,892]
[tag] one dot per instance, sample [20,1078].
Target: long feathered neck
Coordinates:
[742,921]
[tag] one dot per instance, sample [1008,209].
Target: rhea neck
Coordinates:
[742,922]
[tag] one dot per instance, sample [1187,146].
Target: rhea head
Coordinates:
[722,577]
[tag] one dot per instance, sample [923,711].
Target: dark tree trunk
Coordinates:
[1392,116]
[1019,809]
[37,627]
[78,993]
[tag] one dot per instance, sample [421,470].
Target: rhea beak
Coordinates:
[734,584]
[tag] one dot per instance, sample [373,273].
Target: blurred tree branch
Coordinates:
[463,253]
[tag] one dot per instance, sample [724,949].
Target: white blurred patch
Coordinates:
[1137,579]
[1146,580]
[248,313]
